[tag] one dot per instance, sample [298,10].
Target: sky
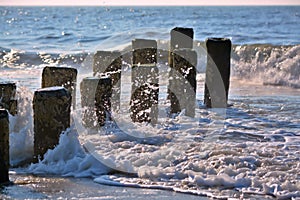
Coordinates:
[147,2]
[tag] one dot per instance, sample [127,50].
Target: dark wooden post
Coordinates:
[61,76]
[8,97]
[183,82]
[180,38]
[88,88]
[144,78]
[4,146]
[51,107]
[96,100]
[103,99]
[217,72]
[109,63]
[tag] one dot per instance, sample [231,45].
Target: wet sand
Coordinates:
[42,187]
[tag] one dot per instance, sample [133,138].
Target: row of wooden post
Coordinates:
[52,104]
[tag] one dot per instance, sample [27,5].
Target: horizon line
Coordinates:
[139,5]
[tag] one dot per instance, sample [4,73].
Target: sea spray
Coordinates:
[267,64]
[21,129]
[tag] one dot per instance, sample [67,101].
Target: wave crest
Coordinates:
[270,65]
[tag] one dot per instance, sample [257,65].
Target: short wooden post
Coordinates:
[217,72]
[61,76]
[51,107]
[8,97]
[144,78]
[96,100]
[183,82]
[109,63]
[4,146]
[180,38]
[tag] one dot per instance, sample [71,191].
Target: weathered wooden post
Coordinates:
[4,146]
[109,63]
[96,100]
[144,78]
[180,38]
[183,82]
[88,88]
[61,76]
[217,72]
[51,108]
[103,99]
[8,97]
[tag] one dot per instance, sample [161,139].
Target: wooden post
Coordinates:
[144,78]
[4,146]
[183,82]
[61,76]
[109,63]
[144,51]
[88,88]
[103,99]
[180,38]
[8,97]
[51,108]
[96,100]
[217,72]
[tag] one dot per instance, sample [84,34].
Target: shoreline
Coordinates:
[27,186]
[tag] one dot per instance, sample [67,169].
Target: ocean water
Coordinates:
[249,150]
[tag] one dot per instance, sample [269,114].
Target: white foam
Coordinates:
[181,155]
[68,158]
[275,65]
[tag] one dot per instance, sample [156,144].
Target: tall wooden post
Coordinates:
[109,63]
[217,72]
[144,78]
[61,76]
[183,82]
[96,100]
[8,97]
[180,38]
[103,99]
[51,109]
[4,147]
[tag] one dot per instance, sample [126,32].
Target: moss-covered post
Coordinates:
[109,63]
[217,72]
[4,147]
[183,83]
[144,79]
[96,100]
[8,97]
[51,113]
[61,76]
